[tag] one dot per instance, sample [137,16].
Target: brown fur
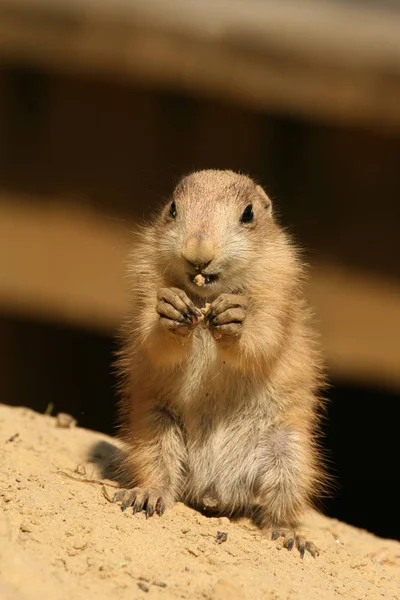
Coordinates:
[224,417]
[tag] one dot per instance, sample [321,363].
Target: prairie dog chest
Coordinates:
[211,390]
[217,404]
[201,369]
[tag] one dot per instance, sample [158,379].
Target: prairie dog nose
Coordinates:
[198,252]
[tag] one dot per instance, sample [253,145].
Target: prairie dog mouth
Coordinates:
[202,280]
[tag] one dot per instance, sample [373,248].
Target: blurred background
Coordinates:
[104,104]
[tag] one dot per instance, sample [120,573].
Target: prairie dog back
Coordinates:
[220,373]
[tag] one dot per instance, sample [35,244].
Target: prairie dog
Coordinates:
[220,374]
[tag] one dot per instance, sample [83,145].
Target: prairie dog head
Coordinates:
[212,231]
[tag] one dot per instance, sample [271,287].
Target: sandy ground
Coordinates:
[60,538]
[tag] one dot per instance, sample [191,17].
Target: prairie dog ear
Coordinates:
[265,199]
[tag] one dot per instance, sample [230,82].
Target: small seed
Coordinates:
[199,280]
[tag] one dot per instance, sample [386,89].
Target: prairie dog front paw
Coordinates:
[226,316]
[177,312]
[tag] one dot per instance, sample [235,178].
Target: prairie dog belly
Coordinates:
[223,460]
[223,427]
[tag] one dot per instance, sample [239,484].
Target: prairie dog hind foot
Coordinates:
[293,539]
[152,500]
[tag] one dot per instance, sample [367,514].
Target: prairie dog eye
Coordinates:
[248,214]
[172,210]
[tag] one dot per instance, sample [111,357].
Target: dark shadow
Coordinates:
[109,458]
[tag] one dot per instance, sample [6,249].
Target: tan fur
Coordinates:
[229,422]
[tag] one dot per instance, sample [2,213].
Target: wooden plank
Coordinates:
[58,262]
[358,317]
[307,59]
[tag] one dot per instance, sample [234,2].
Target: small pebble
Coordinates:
[221,537]
[65,421]
[80,469]
[26,527]
[80,544]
